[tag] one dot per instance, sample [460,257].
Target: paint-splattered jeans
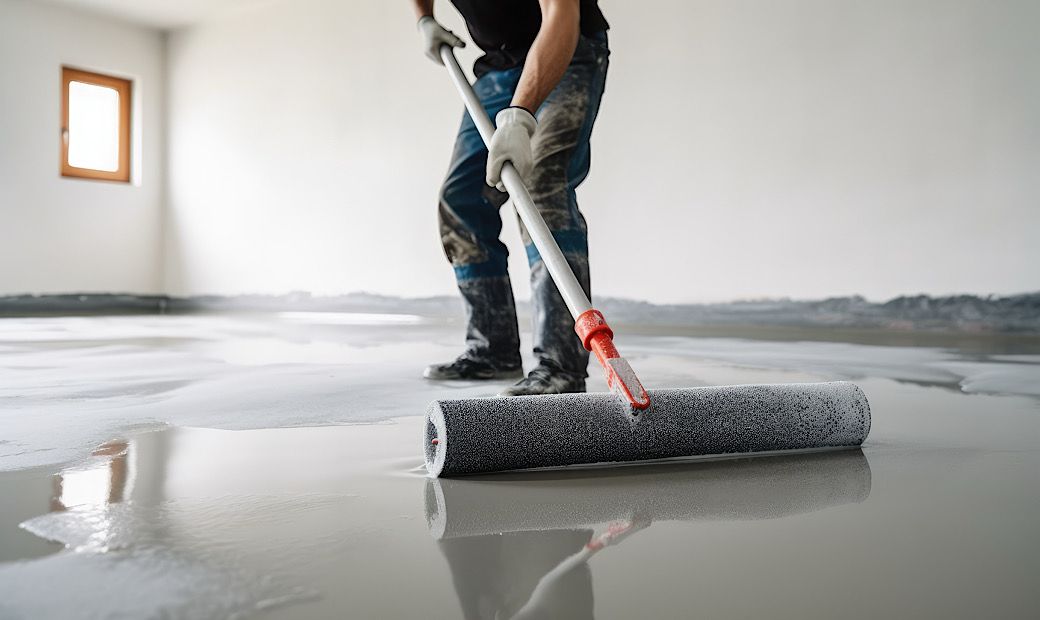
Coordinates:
[470,223]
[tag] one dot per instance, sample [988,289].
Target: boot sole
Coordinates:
[504,393]
[497,376]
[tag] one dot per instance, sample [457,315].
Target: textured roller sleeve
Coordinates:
[478,435]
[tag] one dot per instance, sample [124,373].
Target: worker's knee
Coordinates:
[573,243]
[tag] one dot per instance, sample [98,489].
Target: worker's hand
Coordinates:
[511,142]
[434,36]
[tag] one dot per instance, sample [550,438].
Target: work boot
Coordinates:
[545,380]
[468,369]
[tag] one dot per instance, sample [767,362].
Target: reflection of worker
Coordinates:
[530,575]
[496,576]
[542,78]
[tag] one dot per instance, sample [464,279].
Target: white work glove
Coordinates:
[434,36]
[511,142]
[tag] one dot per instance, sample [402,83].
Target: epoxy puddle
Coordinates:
[242,520]
[338,521]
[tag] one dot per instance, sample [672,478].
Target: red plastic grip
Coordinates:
[591,324]
[596,336]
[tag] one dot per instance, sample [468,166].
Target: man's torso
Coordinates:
[505,29]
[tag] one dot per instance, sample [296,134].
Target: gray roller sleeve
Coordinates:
[481,435]
[741,489]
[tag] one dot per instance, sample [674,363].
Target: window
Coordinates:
[95,126]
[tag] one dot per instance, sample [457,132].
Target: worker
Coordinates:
[541,78]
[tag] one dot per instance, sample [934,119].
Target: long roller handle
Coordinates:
[590,325]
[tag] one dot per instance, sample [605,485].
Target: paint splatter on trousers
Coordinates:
[470,223]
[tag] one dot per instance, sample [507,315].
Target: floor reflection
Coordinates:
[106,482]
[116,471]
[519,545]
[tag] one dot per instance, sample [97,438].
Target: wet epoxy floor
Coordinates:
[935,516]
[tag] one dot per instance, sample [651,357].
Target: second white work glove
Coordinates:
[511,142]
[434,36]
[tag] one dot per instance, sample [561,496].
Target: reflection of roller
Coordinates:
[519,545]
[740,489]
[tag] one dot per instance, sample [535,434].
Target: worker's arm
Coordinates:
[550,54]
[423,8]
[546,62]
[434,35]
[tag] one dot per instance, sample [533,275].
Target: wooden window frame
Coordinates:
[125,89]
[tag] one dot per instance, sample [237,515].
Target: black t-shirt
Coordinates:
[505,29]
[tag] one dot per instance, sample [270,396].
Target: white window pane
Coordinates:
[93,127]
[86,487]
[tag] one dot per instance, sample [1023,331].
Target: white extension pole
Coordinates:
[575,297]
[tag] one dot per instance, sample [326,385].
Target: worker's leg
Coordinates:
[562,159]
[470,225]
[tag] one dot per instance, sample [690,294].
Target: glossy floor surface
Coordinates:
[143,477]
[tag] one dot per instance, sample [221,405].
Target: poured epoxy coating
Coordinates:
[116,445]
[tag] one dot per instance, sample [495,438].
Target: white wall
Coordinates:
[746,148]
[307,142]
[60,235]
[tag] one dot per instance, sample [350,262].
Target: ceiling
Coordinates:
[163,14]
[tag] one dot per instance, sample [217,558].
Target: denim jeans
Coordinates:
[470,223]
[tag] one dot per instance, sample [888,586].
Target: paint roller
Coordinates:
[481,435]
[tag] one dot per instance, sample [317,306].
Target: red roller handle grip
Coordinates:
[597,337]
